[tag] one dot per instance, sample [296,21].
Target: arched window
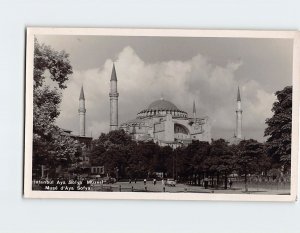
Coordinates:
[180,130]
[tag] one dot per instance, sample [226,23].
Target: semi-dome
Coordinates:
[162,107]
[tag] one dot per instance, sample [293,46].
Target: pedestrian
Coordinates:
[84,182]
[129,181]
[230,183]
[145,181]
[205,182]
[135,180]
[154,181]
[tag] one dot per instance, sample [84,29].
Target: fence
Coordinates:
[269,185]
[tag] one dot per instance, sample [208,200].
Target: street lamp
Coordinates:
[117,173]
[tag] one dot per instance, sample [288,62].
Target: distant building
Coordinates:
[161,121]
[164,123]
[87,141]
[97,170]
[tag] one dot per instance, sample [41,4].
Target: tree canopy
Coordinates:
[117,151]
[49,141]
[251,159]
[280,128]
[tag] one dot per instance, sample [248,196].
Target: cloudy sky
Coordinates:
[207,70]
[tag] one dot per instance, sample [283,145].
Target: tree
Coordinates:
[56,63]
[50,144]
[195,155]
[280,128]
[113,151]
[250,158]
[164,160]
[220,160]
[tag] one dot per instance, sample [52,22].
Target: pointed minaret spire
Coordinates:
[239,112]
[81,111]
[194,107]
[238,95]
[194,110]
[113,74]
[81,97]
[113,96]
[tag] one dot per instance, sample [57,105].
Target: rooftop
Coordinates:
[162,104]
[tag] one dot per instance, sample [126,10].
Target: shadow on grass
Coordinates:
[251,192]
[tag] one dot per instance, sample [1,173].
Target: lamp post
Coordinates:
[173,167]
[117,173]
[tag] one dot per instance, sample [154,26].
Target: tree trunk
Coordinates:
[226,181]
[246,183]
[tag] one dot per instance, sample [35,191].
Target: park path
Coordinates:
[139,186]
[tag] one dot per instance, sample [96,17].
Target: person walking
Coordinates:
[154,181]
[205,182]
[145,181]
[230,183]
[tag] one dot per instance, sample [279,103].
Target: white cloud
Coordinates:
[213,88]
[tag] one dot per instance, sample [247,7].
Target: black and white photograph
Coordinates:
[161,114]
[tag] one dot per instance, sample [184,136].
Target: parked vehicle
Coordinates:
[109,180]
[171,182]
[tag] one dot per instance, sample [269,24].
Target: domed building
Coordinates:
[163,122]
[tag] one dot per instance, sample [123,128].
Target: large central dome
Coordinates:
[161,108]
[162,105]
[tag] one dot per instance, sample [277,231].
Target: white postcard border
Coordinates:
[31,31]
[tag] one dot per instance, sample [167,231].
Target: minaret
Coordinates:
[113,96]
[194,111]
[239,112]
[81,111]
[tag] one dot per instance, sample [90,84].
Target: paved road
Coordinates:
[180,188]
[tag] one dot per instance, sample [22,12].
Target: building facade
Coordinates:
[164,123]
[161,121]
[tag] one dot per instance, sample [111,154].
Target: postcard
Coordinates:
[163,114]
